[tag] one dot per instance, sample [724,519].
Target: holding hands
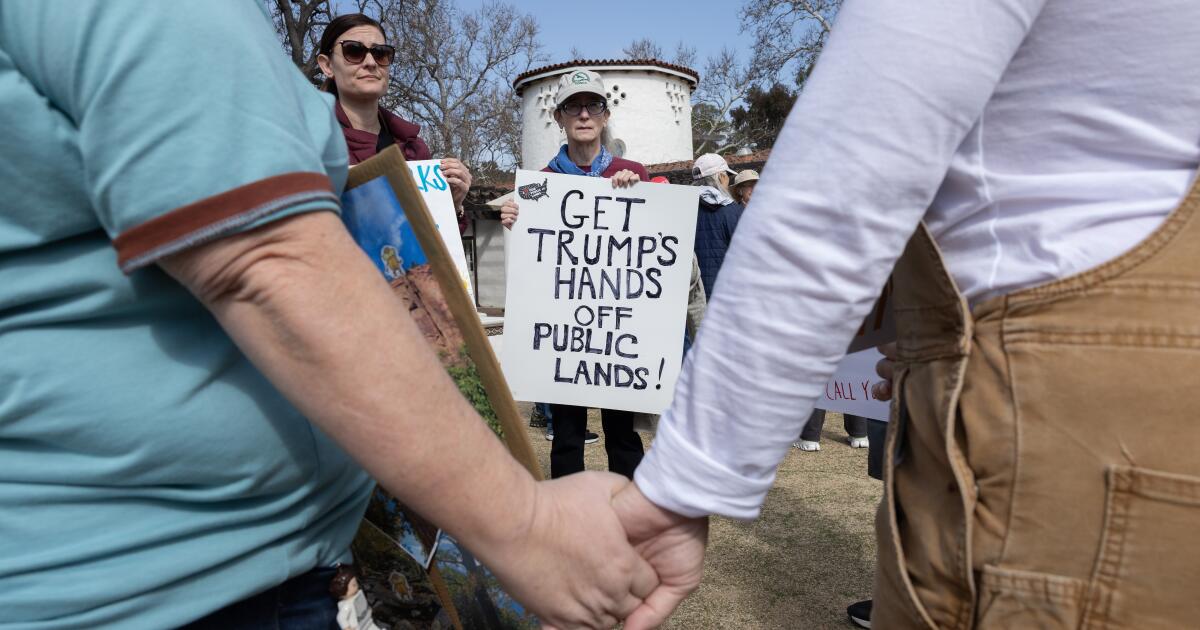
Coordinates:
[595,552]
[570,561]
[672,544]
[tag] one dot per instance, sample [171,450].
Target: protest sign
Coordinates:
[597,291]
[384,209]
[849,390]
[435,190]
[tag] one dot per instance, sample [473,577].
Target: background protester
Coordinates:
[355,58]
[717,217]
[1025,189]
[743,185]
[543,416]
[810,436]
[192,377]
[582,113]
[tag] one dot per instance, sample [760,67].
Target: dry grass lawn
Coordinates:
[799,565]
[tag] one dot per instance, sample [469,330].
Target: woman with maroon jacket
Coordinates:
[582,112]
[354,57]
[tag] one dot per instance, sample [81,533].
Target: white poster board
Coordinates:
[436,192]
[597,287]
[849,391]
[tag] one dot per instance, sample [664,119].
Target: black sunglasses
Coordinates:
[355,52]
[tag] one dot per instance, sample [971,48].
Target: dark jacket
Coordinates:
[714,230]
[364,144]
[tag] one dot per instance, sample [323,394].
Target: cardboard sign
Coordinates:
[597,291]
[436,192]
[849,391]
[400,556]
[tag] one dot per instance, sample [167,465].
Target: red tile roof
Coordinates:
[732,160]
[600,63]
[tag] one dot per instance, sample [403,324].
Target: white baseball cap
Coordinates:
[710,164]
[576,81]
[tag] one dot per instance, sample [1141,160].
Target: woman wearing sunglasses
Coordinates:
[582,113]
[355,56]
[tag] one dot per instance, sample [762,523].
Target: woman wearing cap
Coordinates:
[582,113]
[743,186]
[718,216]
[354,57]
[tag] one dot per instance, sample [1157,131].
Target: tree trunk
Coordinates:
[478,582]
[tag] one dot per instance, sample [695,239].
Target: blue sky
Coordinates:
[602,29]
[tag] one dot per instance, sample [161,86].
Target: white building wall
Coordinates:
[651,115]
[489,264]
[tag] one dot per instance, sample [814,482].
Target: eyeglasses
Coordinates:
[573,109]
[356,52]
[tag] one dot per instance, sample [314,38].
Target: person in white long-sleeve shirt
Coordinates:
[1035,138]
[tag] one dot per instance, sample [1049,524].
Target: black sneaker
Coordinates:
[590,438]
[860,614]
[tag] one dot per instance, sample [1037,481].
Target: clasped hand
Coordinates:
[595,552]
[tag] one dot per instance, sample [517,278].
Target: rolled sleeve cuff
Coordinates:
[679,477]
[227,213]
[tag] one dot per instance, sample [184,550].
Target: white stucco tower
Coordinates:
[650,101]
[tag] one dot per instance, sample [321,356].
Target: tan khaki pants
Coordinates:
[1043,463]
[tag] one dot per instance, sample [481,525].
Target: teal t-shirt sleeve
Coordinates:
[192,122]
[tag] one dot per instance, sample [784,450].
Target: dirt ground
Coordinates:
[808,556]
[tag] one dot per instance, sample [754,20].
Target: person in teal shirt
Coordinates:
[199,372]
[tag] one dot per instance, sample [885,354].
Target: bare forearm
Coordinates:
[318,320]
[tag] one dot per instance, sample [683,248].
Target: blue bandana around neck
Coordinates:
[562,163]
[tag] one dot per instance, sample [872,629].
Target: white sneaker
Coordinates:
[807,445]
[859,442]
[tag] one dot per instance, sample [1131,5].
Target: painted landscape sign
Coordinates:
[410,571]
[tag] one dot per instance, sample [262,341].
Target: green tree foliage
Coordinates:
[466,377]
[763,115]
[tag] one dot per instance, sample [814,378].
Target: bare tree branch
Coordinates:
[789,34]
[299,24]
[684,55]
[644,48]
[724,82]
[453,71]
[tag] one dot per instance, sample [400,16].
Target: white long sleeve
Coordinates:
[892,124]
